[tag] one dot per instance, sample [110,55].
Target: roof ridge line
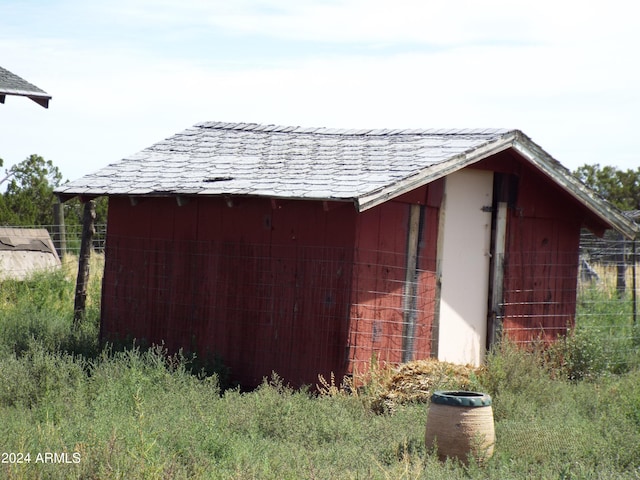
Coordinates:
[274,128]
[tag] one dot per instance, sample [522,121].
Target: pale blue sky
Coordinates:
[125,74]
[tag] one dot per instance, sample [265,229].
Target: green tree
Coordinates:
[29,198]
[620,187]
[73,211]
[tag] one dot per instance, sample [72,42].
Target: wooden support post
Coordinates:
[634,283]
[410,288]
[494,327]
[59,230]
[88,230]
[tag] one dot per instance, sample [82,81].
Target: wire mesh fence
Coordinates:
[591,296]
[545,295]
[592,292]
[292,308]
[588,298]
[607,306]
[25,250]
[67,240]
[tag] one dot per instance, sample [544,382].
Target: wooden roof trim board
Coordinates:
[12,84]
[535,155]
[431,174]
[585,196]
[42,100]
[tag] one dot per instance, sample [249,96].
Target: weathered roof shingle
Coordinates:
[367,167]
[266,160]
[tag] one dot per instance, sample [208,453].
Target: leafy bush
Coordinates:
[580,355]
[604,340]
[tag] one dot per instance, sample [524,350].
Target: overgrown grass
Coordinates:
[606,337]
[40,309]
[143,414]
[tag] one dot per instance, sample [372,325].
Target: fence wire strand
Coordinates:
[604,289]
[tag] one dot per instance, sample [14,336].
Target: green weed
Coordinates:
[141,413]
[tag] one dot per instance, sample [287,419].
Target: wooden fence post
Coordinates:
[59,230]
[633,281]
[409,299]
[621,266]
[88,230]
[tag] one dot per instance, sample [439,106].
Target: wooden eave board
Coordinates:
[586,197]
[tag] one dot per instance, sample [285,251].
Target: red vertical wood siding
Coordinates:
[427,282]
[541,269]
[541,265]
[263,286]
[378,288]
[269,286]
[379,271]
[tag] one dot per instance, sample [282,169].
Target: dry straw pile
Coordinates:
[405,383]
[416,381]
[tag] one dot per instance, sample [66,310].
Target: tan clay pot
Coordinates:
[460,425]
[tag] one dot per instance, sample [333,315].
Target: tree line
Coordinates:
[28,198]
[619,187]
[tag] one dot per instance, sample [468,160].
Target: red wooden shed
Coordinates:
[309,251]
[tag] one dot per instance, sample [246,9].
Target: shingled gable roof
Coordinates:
[12,84]
[366,167]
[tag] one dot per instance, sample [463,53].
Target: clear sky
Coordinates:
[125,74]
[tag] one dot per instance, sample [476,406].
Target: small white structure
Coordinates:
[24,251]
